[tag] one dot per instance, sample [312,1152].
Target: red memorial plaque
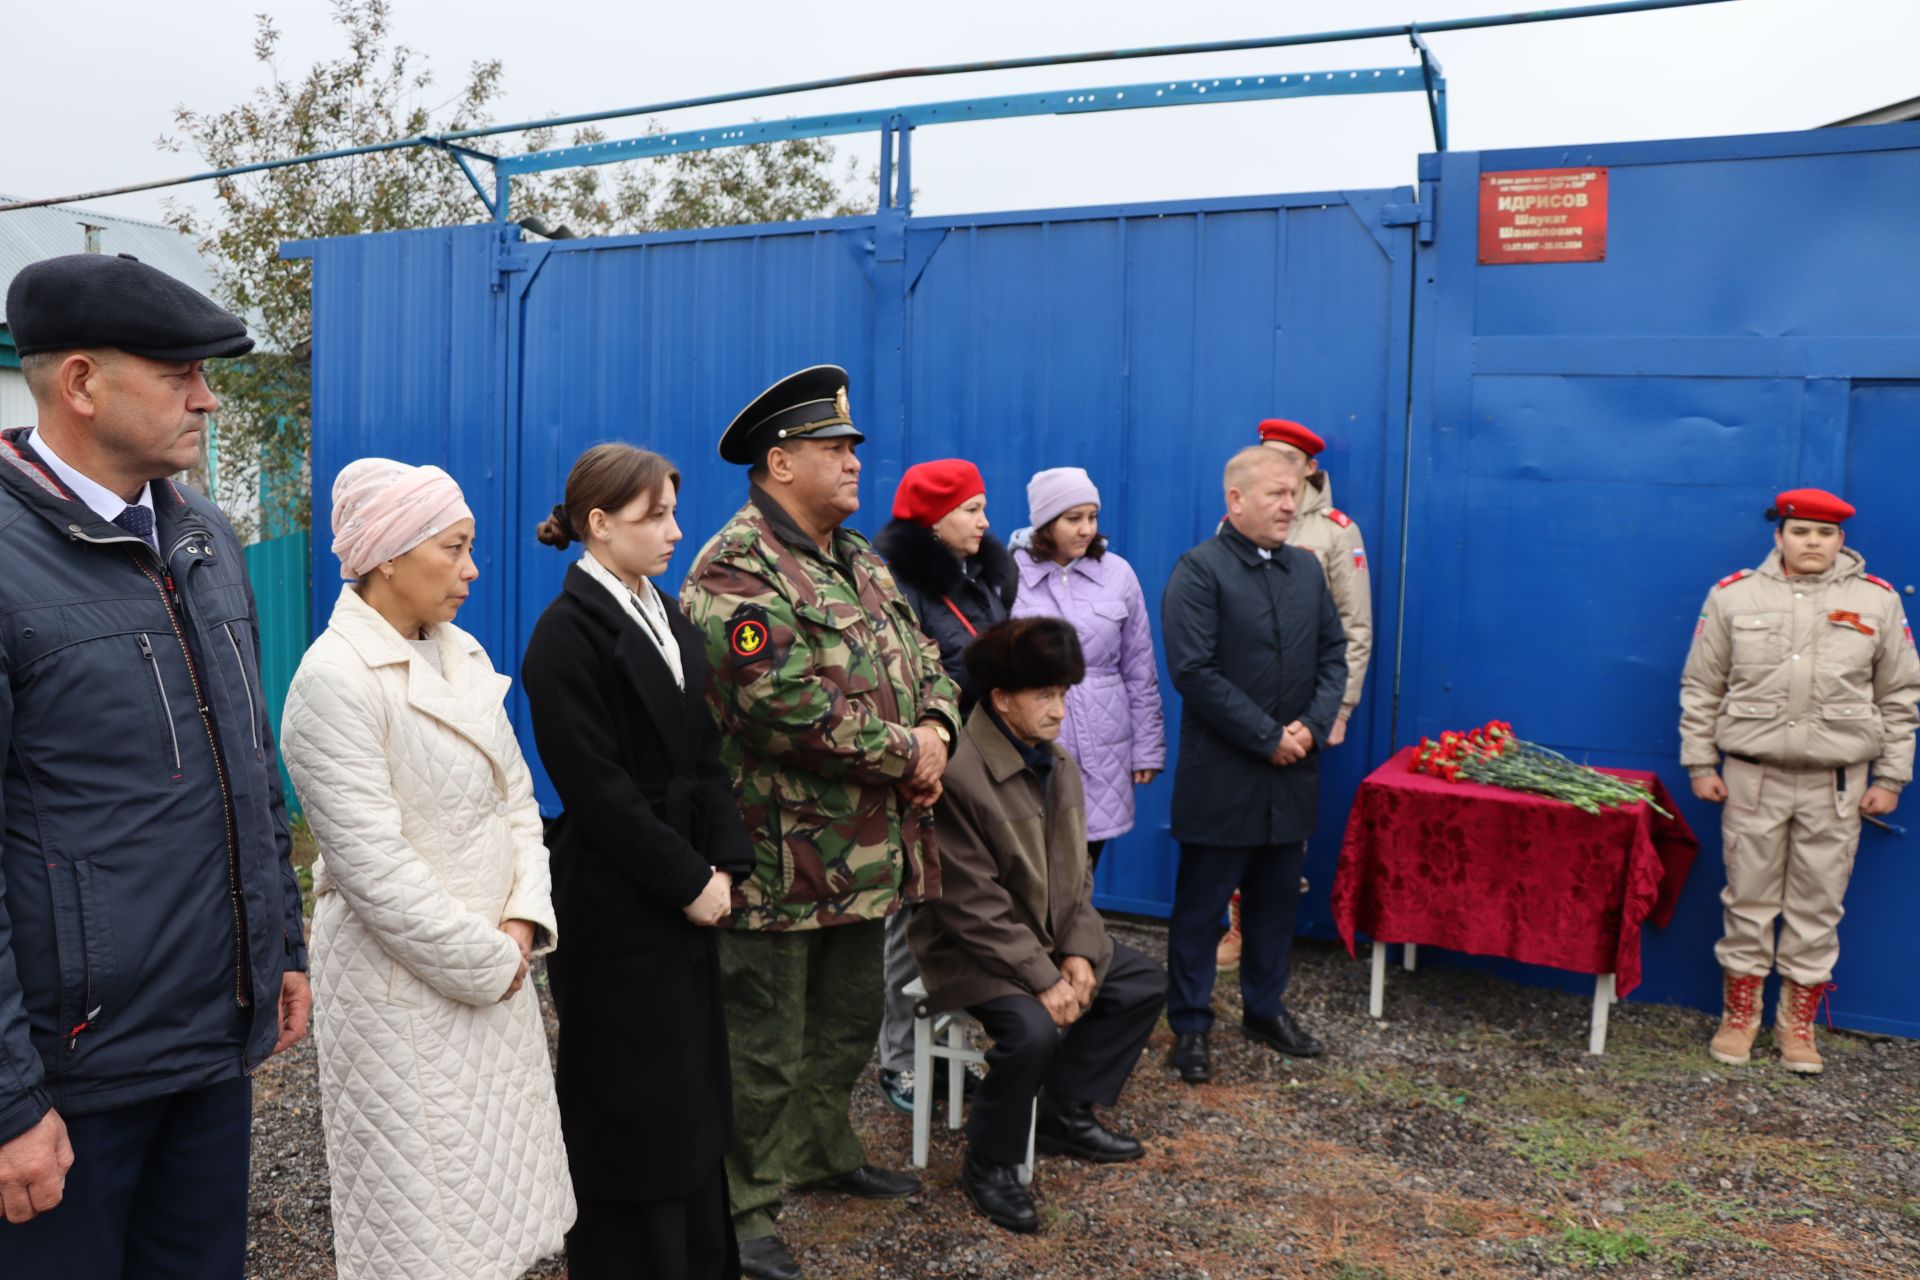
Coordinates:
[1543,215]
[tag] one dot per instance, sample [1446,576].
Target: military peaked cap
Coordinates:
[808,405]
[115,300]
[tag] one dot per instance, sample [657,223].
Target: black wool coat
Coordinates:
[642,1075]
[1253,644]
[982,587]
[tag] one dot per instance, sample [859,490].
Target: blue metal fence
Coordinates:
[1586,446]
[1594,443]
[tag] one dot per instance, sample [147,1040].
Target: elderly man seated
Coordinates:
[1013,938]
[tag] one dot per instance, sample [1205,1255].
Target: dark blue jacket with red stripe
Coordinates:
[148,906]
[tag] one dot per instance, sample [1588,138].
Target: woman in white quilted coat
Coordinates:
[431,899]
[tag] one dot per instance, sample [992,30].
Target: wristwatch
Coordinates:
[939,727]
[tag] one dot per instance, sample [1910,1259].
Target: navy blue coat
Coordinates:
[1252,645]
[148,906]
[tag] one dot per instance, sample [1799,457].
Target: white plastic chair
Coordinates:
[928,1030]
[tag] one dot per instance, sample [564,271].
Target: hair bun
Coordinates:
[556,530]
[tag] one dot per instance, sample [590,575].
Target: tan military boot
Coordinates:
[1793,1026]
[1740,1022]
[1227,955]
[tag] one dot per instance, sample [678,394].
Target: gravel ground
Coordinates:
[1469,1136]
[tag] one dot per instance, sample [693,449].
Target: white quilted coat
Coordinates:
[442,1131]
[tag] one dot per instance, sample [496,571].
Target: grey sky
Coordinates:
[88,103]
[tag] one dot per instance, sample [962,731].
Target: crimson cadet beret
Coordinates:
[930,490]
[115,300]
[1811,504]
[1284,432]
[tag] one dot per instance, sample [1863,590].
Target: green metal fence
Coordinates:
[280,569]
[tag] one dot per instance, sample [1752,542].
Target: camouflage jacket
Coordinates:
[817,673]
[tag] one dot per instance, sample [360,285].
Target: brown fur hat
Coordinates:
[1026,653]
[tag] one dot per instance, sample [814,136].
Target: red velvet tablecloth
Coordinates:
[1499,873]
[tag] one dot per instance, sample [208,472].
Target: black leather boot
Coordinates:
[1192,1057]
[767,1259]
[1283,1033]
[996,1191]
[1067,1127]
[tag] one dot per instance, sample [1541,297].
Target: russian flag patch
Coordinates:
[1359,559]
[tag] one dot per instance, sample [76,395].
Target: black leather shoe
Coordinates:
[1283,1033]
[870,1183]
[1192,1058]
[767,1259]
[1067,1128]
[996,1191]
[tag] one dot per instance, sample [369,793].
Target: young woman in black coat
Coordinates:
[642,859]
[960,580]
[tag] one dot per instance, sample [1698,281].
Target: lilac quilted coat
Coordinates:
[1113,722]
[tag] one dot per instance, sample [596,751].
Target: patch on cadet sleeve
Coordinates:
[1360,559]
[749,635]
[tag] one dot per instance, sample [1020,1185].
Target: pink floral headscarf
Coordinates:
[383,509]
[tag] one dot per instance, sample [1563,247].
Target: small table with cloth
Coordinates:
[1493,872]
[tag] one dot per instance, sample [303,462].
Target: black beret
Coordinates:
[104,300]
[808,405]
[1026,653]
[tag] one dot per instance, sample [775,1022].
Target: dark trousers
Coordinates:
[687,1238]
[1093,853]
[1090,1062]
[1268,877]
[158,1191]
[803,1008]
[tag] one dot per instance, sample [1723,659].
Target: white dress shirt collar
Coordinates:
[649,610]
[101,500]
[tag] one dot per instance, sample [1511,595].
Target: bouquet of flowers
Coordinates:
[1495,755]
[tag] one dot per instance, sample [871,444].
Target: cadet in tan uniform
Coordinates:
[1331,537]
[1803,674]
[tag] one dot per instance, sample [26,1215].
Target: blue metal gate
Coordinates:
[1569,454]
[1594,443]
[1142,342]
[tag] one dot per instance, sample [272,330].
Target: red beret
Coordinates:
[1812,504]
[929,490]
[1279,429]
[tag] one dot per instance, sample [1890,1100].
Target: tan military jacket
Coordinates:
[1334,539]
[1802,672]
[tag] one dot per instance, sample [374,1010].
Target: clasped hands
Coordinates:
[922,788]
[1072,996]
[1296,740]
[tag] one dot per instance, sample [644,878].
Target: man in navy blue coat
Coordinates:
[1254,646]
[151,952]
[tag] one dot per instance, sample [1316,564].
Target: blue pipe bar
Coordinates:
[447,141]
[1125,97]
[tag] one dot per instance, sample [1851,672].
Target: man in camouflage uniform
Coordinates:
[1331,537]
[836,717]
[1803,674]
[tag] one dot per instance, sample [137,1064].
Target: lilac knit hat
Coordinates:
[1054,490]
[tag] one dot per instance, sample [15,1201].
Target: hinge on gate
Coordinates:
[508,256]
[1408,215]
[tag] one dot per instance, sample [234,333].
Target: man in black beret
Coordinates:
[151,950]
[1013,937]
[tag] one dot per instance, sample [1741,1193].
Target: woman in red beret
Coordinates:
[961,581]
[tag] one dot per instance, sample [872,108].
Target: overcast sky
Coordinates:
[90,94]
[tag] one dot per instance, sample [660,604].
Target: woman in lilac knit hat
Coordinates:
[1113,726]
